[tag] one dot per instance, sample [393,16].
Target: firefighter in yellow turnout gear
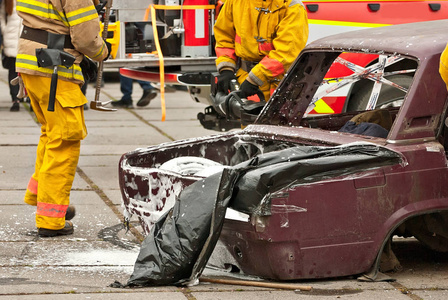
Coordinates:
[62,129]
[259,40]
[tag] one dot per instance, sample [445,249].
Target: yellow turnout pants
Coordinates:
[58,150]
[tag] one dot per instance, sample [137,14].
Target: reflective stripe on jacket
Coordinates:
[78,19]
[271,32]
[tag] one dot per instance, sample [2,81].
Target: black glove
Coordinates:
[109,49]
[248,89]
[99,8]
[89,69]
[224,79]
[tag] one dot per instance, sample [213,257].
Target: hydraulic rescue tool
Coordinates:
[96,104]
[229,110]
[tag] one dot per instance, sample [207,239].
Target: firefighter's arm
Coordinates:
[225,38]
[291,38]
[444,66]
[85,29]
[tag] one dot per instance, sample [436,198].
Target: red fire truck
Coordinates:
[184,40]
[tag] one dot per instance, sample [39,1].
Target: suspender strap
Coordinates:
[247,65]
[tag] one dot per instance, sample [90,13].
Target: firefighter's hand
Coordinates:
[248,89]
[18,81]
[109,50]
[224,79]
[89,69]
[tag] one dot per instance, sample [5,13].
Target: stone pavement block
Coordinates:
[10,118]
[180,130]
[105,177]
[92,219]
[108,119]
[116,149]
[430,279]
[12,177]
[17,156]
[87,254]
[11,252]
[174,99]
[98,160]
[182,112]
[12,197]
[415,258]
[27,128]
[16,166]
[86,198]
[109,296]
[126,120]
[144,135]
[80,184]
[89,270]
[83,197]
[17,222]
[60,279]
[16,139]
[114,195]
[289,295]
[432,294]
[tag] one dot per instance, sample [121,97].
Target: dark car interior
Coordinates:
[373,93]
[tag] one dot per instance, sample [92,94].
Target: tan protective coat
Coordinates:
[78,19]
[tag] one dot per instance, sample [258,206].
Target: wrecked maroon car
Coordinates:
[298,196]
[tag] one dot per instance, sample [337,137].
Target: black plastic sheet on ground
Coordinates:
[181,242]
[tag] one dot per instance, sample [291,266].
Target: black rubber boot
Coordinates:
[67,230]
[15,106]
[122,103]
[70,213]
[146,98]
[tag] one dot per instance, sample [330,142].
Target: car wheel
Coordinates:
[389,95]
[431,230]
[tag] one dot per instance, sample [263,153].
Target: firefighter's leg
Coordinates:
[64,129]
[31,191]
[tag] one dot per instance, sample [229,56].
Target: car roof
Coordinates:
[418,39]
[423,41]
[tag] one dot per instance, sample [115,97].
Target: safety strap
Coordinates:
[152,10]
[247,65]
[183,7]
[41,36]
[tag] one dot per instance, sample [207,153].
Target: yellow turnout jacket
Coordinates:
[271,33]
[444,66]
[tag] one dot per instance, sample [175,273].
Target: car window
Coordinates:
[356,83]
[325,89]
[383,82]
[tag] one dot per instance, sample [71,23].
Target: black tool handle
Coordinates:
[53,87]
